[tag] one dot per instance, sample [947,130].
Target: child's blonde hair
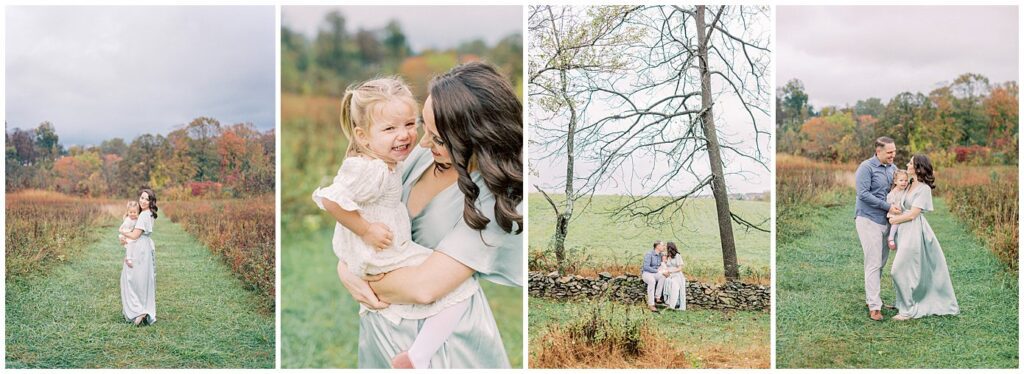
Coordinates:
[132,205]
[361,102]
[898,173]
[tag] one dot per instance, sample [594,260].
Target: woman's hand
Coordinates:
[359,288]
[377,235]
[128,262]
[122,239]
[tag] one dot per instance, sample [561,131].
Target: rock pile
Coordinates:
[631,289]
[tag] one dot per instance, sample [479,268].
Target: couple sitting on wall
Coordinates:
[663,273]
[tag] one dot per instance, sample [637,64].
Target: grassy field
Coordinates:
[69,316]
[312,290]
[706,338]
[822,320]
[597,235]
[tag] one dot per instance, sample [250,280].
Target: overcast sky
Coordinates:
[102,72]
[845,54]
[425,26]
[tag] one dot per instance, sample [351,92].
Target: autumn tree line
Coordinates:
[337,57]
[200,159]
[969,121]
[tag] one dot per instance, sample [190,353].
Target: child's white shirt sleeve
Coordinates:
[359,181]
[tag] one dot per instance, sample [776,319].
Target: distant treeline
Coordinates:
[336,58]
[970,120]
[202,158]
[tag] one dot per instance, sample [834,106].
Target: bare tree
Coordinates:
[568,47]
[644,111]
[717,61]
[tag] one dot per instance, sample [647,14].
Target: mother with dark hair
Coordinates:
[464,189]
[138,277]
[919,272]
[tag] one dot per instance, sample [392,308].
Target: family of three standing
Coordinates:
[890,215]
[663,273]
[419,226]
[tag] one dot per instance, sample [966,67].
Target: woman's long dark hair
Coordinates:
[480,119]
[152,200]
[672,250]
[923,170]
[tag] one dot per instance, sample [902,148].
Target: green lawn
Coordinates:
[311,290]
[70,316]
[742,337]
[822,319]
[695,232]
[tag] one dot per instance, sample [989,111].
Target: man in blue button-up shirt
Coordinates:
[655,280]
[874,179]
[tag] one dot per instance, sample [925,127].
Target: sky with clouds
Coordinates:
[437,27]
[845,54]
[102,72]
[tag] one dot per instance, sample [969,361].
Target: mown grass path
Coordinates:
[822,318]
[70,316]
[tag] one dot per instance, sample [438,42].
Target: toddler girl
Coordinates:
[896,194]
[127,226]
[379,120]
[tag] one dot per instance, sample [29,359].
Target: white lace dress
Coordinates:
[375,191]
[127,225]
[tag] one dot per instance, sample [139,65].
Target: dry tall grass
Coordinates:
[986,199]
[240,231]
[613,336]
[45,228]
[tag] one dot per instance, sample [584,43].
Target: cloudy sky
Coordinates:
[424,26]
[844,54]
[102,72]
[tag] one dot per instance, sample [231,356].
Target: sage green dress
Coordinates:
[919,272]
[496,256]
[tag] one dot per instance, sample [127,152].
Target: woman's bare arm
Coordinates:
[438,275]
[910,215]
[134,234]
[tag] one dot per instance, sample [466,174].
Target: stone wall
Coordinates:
[630,289]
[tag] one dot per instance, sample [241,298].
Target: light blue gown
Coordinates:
[674,293]
[496,256]
[919,271]
[138,283]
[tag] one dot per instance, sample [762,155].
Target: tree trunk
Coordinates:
[714,155]
[562,224]
[561,231]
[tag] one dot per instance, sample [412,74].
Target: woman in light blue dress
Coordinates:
[138,277]
[919,272]
[675,281]
[472,148]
